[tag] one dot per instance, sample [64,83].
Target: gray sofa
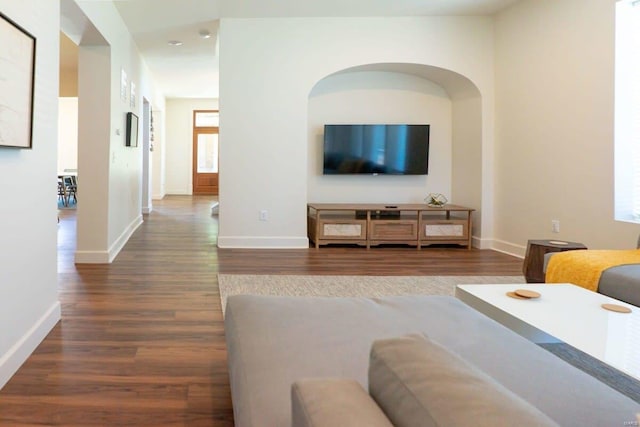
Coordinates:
[621,282]
[274,342]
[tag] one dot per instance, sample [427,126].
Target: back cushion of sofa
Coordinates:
[417,383]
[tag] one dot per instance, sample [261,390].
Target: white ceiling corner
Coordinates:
[191,70]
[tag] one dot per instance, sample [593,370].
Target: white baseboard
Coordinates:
[480,243]
[147,210]
[117,246]
[91,257]
[21,350]
[509,248]
[178,192]
[107,257]
[237,242]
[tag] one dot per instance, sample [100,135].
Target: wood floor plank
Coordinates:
[141,341]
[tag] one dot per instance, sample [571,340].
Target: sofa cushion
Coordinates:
[334,402]
[417,382]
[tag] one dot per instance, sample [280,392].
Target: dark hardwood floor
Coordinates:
[141,341]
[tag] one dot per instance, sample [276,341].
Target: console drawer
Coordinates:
[444,230]
[347,229]
[398,229]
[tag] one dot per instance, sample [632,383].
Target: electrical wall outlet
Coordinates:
[264,215]
[555,225]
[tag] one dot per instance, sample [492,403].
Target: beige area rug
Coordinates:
[348,286]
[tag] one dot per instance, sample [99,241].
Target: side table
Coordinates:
[534,258]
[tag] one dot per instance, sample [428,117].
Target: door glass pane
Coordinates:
[208,153]
[207,119]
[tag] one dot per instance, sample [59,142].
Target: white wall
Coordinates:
[472,180]
[158,157]
[179,142]
[147,160]
[28,277]
[94,135]
[110,174]
[554,109]
[268,68]
[379,97]
[67,133]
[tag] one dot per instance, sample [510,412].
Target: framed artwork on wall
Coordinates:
[132,96]
[123,85]
[17,66]
[131,138]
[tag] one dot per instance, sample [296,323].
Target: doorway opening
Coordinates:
[205,151]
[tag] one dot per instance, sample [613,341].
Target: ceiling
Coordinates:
[320,8]
[191,70]
[186,71]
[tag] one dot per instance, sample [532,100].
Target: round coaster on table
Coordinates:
[525,293]
[514,295]
[617,308]
[558,242]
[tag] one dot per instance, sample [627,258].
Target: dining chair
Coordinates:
[71,188]
[62,192]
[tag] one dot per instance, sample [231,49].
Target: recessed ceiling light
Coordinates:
[175,43]
[205,34]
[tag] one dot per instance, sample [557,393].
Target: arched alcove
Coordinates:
[401,93]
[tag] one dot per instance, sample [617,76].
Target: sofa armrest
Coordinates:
[334,402]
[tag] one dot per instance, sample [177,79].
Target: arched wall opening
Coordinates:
[401,93]
[271,67]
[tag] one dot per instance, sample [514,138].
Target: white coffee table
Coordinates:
[564,313]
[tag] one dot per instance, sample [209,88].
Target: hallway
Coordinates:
[141,340]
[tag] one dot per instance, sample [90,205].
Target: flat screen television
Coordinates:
[131,139]
[394,149]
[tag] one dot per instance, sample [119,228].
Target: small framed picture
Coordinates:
[123,85]
[132,95]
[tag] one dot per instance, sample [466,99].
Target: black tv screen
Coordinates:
[376,149]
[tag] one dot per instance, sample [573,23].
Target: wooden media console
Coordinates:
[374,224]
